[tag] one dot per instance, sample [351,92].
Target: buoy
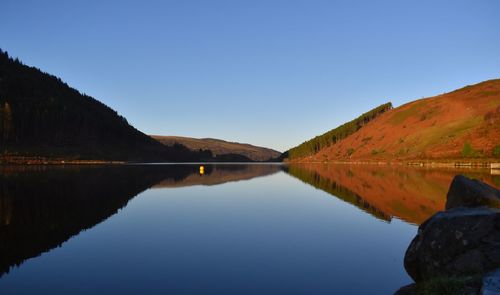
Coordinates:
[202,170]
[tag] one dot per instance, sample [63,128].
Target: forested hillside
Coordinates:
[461,125]
[312,146]
[42,116]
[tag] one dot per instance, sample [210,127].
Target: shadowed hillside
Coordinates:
[463,124]
[220,147]
[41,116]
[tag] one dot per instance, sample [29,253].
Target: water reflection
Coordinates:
[408,193]
[218,174]
[41,207]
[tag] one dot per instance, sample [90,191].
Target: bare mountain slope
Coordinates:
[220,147]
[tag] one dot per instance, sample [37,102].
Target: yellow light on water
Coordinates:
[202,170]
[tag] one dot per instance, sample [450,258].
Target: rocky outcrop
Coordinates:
[462,242]
[457,242]
[466,192]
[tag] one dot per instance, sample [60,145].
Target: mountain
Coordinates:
[41,116]
[462,124]
[221,147]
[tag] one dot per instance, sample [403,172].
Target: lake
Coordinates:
[223,229]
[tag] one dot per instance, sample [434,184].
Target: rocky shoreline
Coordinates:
[457,251]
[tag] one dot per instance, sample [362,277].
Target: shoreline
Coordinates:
[458,163]
[39,161]
[492,164]
[53,161]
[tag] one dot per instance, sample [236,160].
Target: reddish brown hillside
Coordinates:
[461,124]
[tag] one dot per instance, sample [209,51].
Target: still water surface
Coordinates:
[235,229]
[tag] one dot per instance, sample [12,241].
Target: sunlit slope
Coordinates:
[220,147]
[463,124]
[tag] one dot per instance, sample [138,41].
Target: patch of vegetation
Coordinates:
[402,151]
[449,285]
[496,151]
[401,116]
[366,139]
[350,151]
[468,151]
[331,137]
[376,152]
[434,135]
[496,179]
[377,173]
[489,93]
[428,114]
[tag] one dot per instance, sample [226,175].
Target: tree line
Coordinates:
[41,116]
[329,138]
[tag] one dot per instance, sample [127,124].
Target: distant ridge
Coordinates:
[221,147]
[460,125]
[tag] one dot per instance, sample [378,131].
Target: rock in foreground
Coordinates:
[455,248]
[457,242]
[466,192]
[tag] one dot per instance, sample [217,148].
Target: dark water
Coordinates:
[236,229]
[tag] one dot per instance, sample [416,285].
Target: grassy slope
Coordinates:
[219,147]
[435,128]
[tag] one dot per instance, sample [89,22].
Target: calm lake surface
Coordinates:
[235,229]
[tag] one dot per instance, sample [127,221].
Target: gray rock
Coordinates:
[460,241]
[466,192]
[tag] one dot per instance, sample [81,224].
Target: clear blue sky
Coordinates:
[271,73]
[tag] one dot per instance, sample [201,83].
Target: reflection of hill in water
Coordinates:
[42,207]
[411,194]
[218,174]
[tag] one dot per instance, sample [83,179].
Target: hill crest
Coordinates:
[462,124]
[220,147]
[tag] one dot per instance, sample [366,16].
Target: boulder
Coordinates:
[456,242]
[466,192]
